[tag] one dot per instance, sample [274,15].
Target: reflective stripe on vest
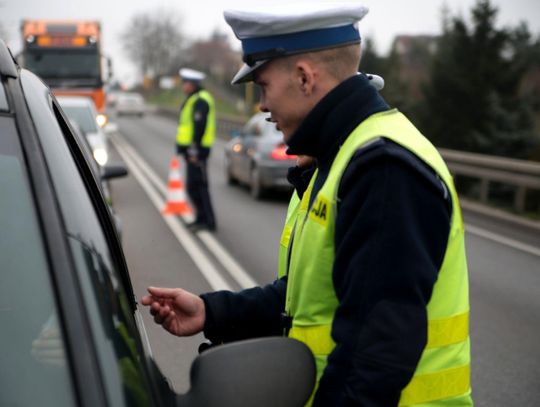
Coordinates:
[442,375]
[441,332]
[445,384]
[184,134]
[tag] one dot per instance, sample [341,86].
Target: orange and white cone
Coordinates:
[176,197]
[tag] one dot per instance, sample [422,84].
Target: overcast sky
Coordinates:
[386,18]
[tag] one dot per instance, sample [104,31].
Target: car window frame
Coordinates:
[31,258]
[107,223]
[88,388]
[152,373]
[98,201]
[76,327]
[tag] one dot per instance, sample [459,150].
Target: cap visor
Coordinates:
[245,74]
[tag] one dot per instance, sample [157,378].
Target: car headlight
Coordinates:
[101,156]
[102,119]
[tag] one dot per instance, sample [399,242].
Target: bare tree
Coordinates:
[216,57]
[154,42]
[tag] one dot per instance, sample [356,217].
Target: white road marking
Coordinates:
[207,269]
[228,262]
[502,240]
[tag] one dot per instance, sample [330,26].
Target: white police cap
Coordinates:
[191,75]
[292,29]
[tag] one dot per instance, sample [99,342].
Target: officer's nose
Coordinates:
[262,105]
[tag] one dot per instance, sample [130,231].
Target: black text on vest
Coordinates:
[320,210]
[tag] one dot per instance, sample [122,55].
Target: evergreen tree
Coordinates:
[395,91]
[371,61]
[473,102]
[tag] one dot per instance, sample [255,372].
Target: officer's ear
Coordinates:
[306,76]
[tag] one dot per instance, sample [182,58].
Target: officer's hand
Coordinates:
[178,311]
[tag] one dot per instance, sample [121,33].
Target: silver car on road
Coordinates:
[257,157]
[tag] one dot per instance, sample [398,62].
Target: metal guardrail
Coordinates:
[524,175]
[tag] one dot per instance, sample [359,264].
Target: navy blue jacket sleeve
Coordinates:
[249,313]
[391,233]
[200,116]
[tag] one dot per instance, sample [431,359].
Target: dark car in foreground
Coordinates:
[257,157]
[71,330]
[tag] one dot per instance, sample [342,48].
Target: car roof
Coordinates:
[7,63]
[75,101]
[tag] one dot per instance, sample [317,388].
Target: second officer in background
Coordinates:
[194,140]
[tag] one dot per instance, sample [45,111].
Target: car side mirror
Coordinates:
[111,171]
[265,372]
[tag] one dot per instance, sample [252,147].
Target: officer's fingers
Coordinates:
[163,315]
[170,324]
[155,307]
[164,312]
[158,319]
[147,300]
[164,293]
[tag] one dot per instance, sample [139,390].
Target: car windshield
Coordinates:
[60,64]
[32,350]
[83,116]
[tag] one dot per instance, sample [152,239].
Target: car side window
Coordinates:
[103,288]
[32,347]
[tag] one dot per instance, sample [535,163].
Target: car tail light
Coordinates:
[280,153]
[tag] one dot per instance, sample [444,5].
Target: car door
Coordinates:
[106,301]
[34,354]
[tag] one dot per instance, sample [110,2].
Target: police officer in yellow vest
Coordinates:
[299,177]
[376,279]
[194,140]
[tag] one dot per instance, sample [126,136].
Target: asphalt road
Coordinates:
[504,265]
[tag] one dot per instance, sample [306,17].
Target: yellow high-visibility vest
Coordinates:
[442,377]
[184,134]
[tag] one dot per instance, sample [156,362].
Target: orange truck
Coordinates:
[67,55]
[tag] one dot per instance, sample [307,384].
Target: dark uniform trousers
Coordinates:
[197,189]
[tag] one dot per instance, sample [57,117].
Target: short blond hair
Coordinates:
[340,62]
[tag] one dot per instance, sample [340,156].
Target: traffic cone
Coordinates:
[176,196]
